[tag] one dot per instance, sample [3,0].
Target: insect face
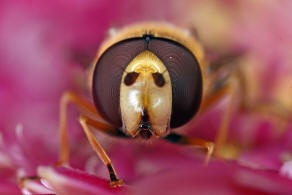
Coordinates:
[146,96]
[146,81]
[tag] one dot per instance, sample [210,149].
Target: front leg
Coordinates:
[85,121]
[189,141]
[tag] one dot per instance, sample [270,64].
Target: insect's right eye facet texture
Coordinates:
[108,74]
[186,78]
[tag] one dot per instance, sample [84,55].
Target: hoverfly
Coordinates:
[146,80]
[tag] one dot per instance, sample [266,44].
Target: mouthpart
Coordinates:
[145,131]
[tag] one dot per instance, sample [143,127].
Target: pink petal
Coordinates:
[35,187]
[286,169]
[217,178]
[75,182]
[7,168]
[9,188]
[263,158]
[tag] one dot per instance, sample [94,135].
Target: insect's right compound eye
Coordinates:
[186,78]
[108,74]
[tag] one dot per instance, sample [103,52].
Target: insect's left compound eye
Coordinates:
[108,74]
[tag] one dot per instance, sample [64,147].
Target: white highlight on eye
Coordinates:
[134,100]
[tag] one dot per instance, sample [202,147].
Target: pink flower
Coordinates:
[45,48]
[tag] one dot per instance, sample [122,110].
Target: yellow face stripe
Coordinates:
[146,62]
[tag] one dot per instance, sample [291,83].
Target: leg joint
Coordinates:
[82,119]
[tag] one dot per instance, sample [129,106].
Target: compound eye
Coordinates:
[107,77]
[185,75]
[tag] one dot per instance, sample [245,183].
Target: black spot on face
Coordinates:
[158,79]
[145,131]
[130,78]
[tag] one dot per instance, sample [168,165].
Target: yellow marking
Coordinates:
[146,61]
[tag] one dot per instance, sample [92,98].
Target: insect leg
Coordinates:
[225,121]
[273,109]
[196,142]
[228,89]
[82,104]
[85,121]
[69,97]
[236,87]
[210,100]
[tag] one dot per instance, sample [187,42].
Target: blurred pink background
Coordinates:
[45,49]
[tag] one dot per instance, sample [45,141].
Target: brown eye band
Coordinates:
[108,74]
[185,77]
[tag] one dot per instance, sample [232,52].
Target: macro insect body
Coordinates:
[146,80]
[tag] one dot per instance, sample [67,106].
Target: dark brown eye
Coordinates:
[158,79]
[186,78]
[130,78]
[108,74]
